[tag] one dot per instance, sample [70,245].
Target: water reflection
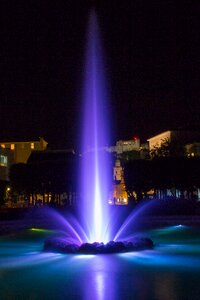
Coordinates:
[100,283]
[100,286]
[169,272]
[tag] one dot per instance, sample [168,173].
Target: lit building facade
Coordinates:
[21,150]
[125,146]
[119,195]
[192,149]
[157,140]
[13,152]
[6,160]
[183,137]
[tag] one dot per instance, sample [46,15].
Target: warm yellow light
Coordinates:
[12,146]
[8,189]
[32,146]
[2,146]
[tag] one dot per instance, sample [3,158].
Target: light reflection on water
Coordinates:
[170,271]
[166,257]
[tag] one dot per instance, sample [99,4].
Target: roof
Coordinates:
[20,140]
[159,135]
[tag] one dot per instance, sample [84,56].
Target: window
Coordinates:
[3,160]
[12,146]
[32,146]
[2,146]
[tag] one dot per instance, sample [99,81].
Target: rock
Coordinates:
[59,244]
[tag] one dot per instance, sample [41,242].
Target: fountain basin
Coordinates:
[59,244]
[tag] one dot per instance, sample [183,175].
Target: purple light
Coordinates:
[94,231]
[95,175]
[95,225]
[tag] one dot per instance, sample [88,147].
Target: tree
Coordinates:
[3,186]
[177,174]
[54,176]
[138,176]
[168,148]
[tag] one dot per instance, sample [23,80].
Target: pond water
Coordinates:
[170,271]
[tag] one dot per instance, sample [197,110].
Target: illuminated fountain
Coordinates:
[96,228]
[95,177]
[171,270]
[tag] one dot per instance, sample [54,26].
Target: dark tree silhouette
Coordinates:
[46,177]
[168,148]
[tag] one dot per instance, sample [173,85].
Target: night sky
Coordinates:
[152,58]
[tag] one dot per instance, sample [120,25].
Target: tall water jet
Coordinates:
[94,232]
[95,163]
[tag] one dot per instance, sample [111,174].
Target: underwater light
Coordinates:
[40,230]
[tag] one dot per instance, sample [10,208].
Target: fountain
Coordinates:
[97,232]
[170,270]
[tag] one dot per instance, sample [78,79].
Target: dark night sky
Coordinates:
[152,57]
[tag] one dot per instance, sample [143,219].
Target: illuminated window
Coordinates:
[3,160]
[32,146]
[2,146]
[12,146]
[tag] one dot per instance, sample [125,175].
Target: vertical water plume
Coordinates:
[95,161]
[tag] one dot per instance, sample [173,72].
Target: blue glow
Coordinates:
[180,226]
[167,256]
[28,272]
[84,257]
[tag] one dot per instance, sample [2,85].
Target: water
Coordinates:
[170,271]
[95,175]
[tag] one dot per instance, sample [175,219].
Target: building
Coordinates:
[13,152]
[192,149]
[6,160]
[158,139]
[178,136]
[130,149]
[117,171]
[126,146]
[21,150]
[119,195]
